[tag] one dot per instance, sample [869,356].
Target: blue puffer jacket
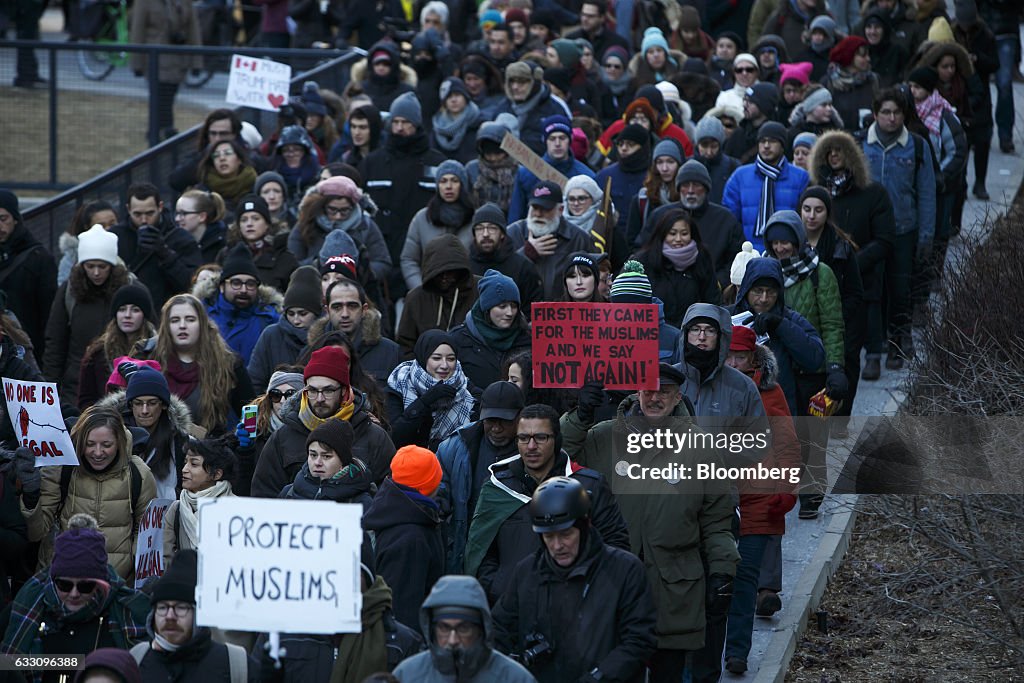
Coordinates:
[911,189]
[742,195]
[242,327]
[795,342]
[625,186]
[526,181]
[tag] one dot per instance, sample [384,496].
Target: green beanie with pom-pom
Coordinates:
[631,286]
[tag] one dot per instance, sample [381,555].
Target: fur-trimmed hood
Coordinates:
[931,53]
[177,412]
[766,374]
[207,290]
[851,151]
[406,74]
[637,62]
[67,244]
[799,116]
[369,329]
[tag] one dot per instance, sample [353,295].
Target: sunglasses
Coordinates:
[745,70]
[85,586]
[278,396]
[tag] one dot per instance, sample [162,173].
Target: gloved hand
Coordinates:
[780,504]
[26,471]
[126,369]
[439,393]
[836,383]
[719,595]
[244,439]
[766,323]
[150,239]
[591,397]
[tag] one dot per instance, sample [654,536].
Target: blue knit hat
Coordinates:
[496,289]
[555,124]
[805,139]
[653,37]
[453,167]
[147,382]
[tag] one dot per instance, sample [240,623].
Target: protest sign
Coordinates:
[280,565]
[258,83]
[518,150]
[577,343]
[34,409]
[149,548]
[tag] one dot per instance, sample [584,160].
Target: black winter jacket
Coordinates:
[720,233]
[482,363]
[679,289]
[167,271]
[507,261]
[201,659]
[30,284]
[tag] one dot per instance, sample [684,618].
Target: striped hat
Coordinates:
[631,286]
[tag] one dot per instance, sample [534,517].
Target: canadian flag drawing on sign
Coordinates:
[243,63]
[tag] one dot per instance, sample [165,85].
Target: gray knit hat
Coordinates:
[453,167]
[710,127]
[490,213]
[694,171]
[668,148]
[407,106]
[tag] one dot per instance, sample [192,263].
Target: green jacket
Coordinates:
[673,527]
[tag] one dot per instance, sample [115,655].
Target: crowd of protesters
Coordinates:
[780,178]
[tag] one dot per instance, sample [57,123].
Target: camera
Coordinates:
[536,651]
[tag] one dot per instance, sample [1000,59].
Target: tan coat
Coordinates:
[156,22]
[106,497]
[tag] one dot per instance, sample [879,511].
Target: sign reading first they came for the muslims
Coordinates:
[615,345]
[34,411]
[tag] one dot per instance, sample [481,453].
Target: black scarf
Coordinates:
[703,361]
[638,161]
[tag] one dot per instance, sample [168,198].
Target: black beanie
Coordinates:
[9,201]
[239,262]
[490,213]
[337,435]
[254,202]
[134,294]
[925,76]
[304,291]
[179,581]
[635,133]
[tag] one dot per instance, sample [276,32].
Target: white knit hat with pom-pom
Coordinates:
[739,264]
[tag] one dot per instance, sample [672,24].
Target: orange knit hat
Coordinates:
[416,468]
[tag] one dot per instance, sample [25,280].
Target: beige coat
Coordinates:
[156,22]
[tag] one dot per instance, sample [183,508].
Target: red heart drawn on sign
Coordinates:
[276,100]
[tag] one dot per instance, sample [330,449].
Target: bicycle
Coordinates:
[110,18]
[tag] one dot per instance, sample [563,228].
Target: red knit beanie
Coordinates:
[330,361]
[416,468]
[842,54]
[743,339]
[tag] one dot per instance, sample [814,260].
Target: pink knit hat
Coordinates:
[799,72]
[340,186]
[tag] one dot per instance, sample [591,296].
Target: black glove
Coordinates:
[719,595]
[25,468]
[766,323]
[439,393]
[836,383]
[150,239]
[591,397]
[127,368]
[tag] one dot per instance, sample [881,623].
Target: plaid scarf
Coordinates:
[411,380]
[767,205]
[930,111]
[799,267]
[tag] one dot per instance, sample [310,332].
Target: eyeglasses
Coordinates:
[85,586]
[327,392]
[339,212]
[236,283]
[463,629]
[140,403]
[223,154]
[579,199]
[702,331]
[613,67]
[745,70]
[483,228]
[278,396]
[728,124]
[180,609]
[179,213]
[541,438]
[764,292]
[889,112]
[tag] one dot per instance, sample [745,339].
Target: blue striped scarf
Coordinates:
[767,205]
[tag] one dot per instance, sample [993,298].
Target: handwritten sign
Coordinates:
[518,150]
[258,83]
[577,343]
[280,565]
[149,548]
[34,409]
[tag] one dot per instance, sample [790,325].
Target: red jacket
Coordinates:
[666,129]
[757,498]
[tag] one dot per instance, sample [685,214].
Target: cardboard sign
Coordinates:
[34,409]
[518,150]
[258,83]
[577,343]
[149,548]
[280,565]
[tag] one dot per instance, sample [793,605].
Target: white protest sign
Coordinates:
[258,83]
[149,548]
[34,409]
[280,565]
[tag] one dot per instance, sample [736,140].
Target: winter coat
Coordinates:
[720,232]
[408,547]
[12,366]
[679,289]
[426,307]
[796,344]
[788,25]
[482,363]
[950,147]
[721,168]
[279,343]
[213,241]
[200,659]
[162,22]
[551,268]
[625,186]
[485,664]
[106,496]
[501,533]
[519,205]
[275,263]
[840,255]
[852,102]
[911,186]
[544,104]
[666,129]
[756,495]
[285,452]
[674,528]
[240,327]
[13,534]
[742,195]
[30,285]
[356,486]
[366,235]
[378,355]
[166,272]
[68,247]
[507,261]
[422,232]
[597,614]
[382,94]
[888,58]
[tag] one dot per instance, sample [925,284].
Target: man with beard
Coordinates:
[465,457]
[456,621]
[633,146]
[720,232]
[546,238]
[530,100]
[558,154]
[243,307]
[491,249]
[400,178]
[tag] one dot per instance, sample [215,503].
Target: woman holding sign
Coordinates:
[109,483]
